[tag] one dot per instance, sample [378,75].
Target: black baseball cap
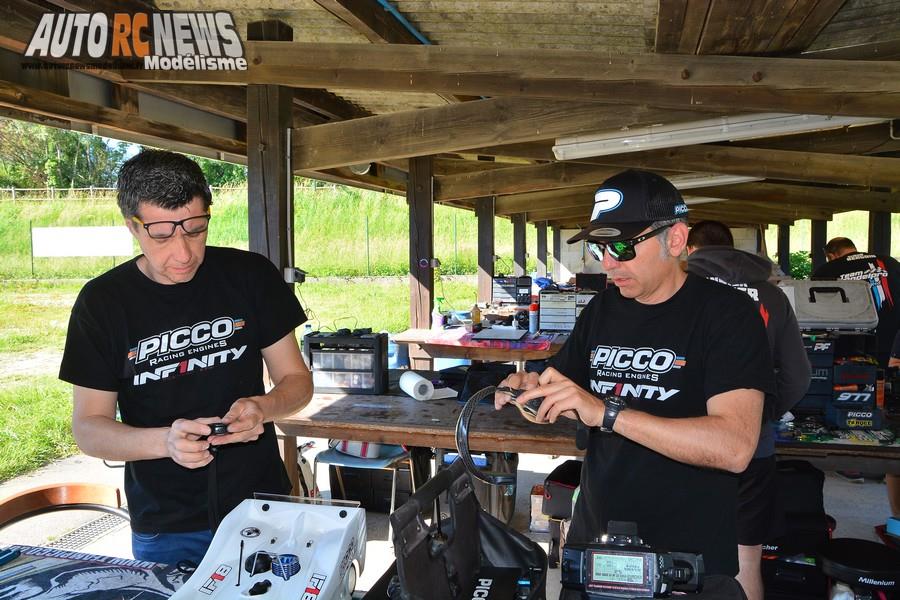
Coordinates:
[629,202]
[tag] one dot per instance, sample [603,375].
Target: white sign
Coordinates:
[81,241]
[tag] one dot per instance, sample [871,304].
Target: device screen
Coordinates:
[617,568]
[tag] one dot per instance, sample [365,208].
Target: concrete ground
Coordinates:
[857,507]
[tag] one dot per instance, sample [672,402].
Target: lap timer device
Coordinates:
[620,565]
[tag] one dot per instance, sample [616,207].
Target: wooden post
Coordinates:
[484,213]
[269,178]
[880,233]
[818,239]
[518,223]
[784,248]
[541,248]
[557,253]
[420,198]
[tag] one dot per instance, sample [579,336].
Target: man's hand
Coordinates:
[516,381]
[184,445]
[564,397]
[245,421]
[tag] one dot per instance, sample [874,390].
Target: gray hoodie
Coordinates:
[750,273]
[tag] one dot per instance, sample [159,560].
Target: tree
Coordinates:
[37,156]
[222,174]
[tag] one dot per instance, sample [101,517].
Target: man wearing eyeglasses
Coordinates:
[176,340]
[668,371]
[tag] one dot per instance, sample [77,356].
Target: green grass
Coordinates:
[35,315]
[35,423]
[337,232]
[382,304]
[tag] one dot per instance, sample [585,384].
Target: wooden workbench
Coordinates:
[399,419]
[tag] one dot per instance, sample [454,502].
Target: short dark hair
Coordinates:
[165,179]
[839,245]
[710,233]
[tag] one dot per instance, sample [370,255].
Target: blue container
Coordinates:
[398,355]
[446,363]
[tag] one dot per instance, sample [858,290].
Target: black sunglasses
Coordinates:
[622,250]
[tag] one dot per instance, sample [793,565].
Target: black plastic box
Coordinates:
[350,363]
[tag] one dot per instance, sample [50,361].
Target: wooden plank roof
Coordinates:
[505,79]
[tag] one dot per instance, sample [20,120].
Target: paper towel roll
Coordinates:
[416,386]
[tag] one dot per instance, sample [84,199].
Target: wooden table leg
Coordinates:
[289,455]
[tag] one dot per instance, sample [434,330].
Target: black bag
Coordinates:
[806,527]
[470,547]
[559,487]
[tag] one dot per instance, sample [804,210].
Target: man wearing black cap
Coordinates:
[668,371]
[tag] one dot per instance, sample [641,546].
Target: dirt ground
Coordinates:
[42,362]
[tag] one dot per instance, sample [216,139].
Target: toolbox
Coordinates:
[832,305]
[354,363]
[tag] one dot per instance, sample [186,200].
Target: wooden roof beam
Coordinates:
[766,163]
[837,199]
[814,167]
[863,139]
[455,127]
[564,198]
[730,83]
[28,99]
[513,180]
[378,25]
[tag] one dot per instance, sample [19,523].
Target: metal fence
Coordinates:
[82,193]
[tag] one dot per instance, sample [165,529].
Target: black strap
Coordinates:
[462,442]
[212,492]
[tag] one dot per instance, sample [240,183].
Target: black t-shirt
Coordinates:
[666,359]
[883,275]
[184,351]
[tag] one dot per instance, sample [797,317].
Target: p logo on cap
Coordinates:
[606,200]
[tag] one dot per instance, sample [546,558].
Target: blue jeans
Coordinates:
[170,548]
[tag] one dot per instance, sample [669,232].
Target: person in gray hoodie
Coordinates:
[711,254]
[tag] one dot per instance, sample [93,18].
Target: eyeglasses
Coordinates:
[162,230]
[622,250]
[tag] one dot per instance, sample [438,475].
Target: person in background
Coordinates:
[883,276]
[176,339]
[668,371]
[711,254]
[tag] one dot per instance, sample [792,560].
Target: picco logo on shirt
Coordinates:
[621,358]
[182,338]
[643,366]
[186,349]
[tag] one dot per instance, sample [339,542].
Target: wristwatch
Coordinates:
[614,405]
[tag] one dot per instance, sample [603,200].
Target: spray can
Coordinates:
[533,318]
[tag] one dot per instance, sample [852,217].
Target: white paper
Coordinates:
[444,393]
[416,386]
